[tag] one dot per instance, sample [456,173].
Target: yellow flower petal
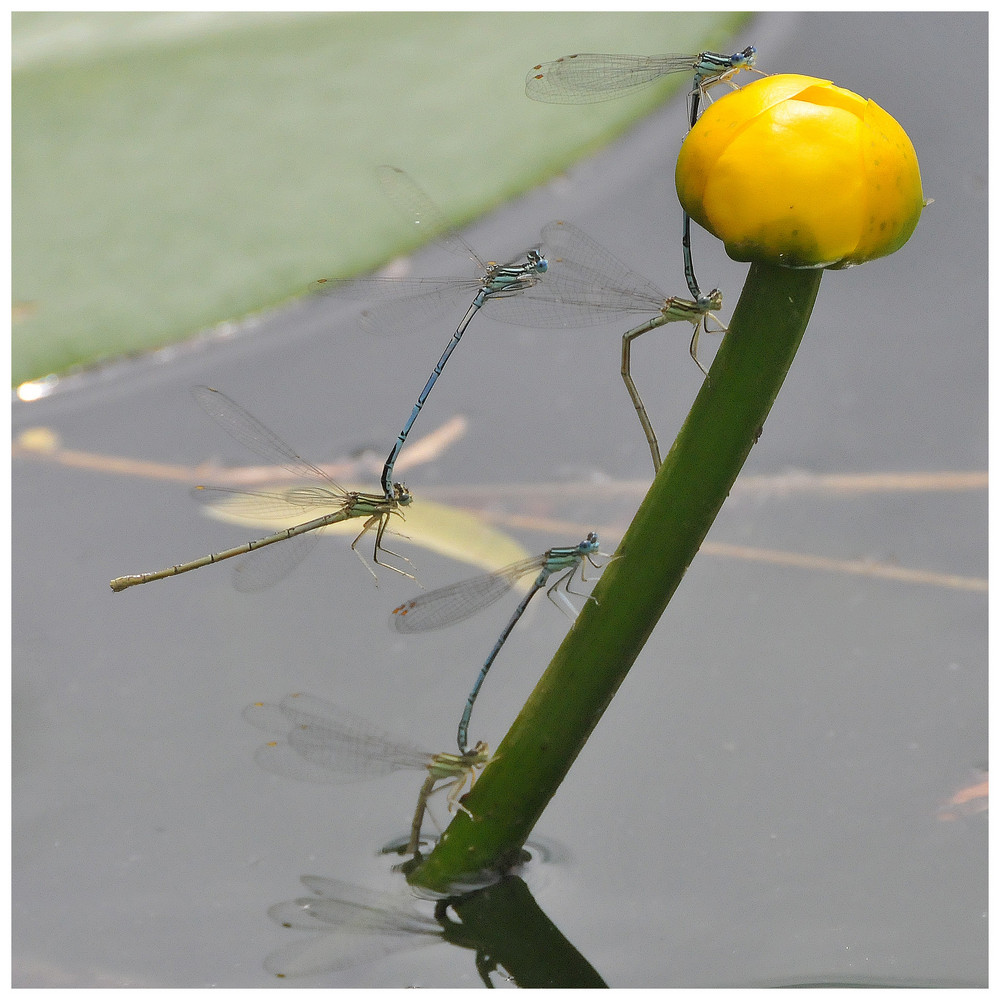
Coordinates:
[800,172]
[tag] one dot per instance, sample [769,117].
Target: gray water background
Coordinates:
[760,803]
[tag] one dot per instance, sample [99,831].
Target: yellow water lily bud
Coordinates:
[796,171]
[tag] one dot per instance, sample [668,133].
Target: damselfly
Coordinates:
[323,494]
[588,77]
[458,601]
[322,742]
[583,285]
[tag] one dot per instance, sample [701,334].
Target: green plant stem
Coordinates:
[725,421]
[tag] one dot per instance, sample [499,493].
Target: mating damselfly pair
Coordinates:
[321,742]
[565,280]
[542,278]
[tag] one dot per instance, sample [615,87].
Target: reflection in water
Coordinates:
[357,925]
[537,852]
[502,924]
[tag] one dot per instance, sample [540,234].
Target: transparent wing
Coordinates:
[461,600]
[413,203]
[335,949]
[283,760]
[249,431]
[358,925]
[421,303]
[585,285]
[297,503]
[589,77]
[265,567]
[584,272]
[343,902]
[333,744]
[309,913]
[399,304]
